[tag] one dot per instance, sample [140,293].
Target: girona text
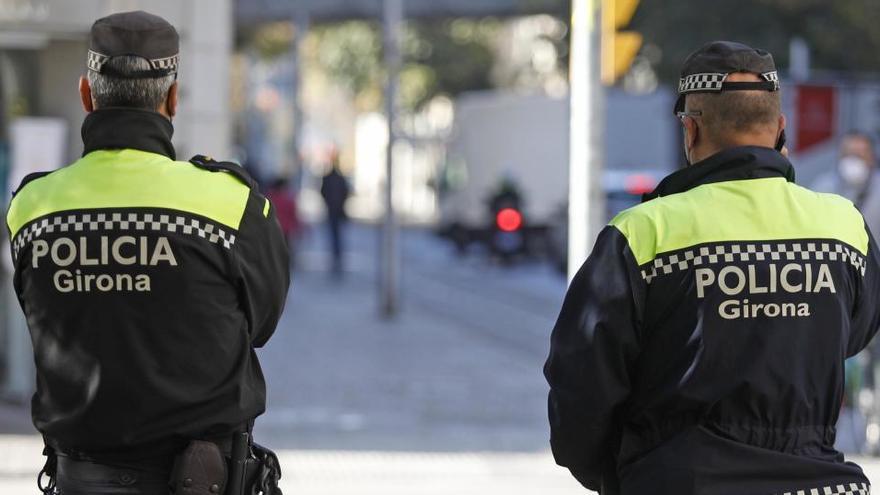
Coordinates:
[72,256]
[790,278]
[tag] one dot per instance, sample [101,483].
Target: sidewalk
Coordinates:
[443,376]
[371,473]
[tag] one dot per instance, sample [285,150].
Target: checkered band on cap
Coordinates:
[715,82]
[701,82]
[97,60]
[169,63]
[772,77]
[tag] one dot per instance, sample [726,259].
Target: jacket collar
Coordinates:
[128,128]
[746,162]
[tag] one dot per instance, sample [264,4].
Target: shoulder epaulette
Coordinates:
[29,178]
[208,163]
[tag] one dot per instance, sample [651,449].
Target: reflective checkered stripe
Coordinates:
[750,252]
[91,222]
[847,489]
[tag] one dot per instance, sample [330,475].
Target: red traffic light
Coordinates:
[508,220]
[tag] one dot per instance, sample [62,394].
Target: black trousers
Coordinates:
[335,224]
[75,477]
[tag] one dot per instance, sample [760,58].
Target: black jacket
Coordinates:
[335,191]
[700,348]
[146,283]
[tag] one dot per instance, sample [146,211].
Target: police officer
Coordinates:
[147,283]
[700,348]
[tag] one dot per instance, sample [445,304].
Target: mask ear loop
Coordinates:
[780,142]
[687,151]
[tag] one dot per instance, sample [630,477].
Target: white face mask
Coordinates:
[853,170]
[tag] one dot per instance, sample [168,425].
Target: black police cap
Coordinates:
[706,69]
[137,34]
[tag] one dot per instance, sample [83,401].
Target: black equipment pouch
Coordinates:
[268,471]
[199,470]
[254,469]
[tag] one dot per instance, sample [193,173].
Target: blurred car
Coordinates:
[623,189]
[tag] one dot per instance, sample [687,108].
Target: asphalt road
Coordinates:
[458,370]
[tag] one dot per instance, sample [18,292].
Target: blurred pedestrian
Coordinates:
[147,283]
[855,176]
[335,191]
[284,201]
[700,349]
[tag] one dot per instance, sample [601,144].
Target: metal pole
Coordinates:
[799,59]
[585,193]
[392,15]
[300,28]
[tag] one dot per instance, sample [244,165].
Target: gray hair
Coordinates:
[146,94]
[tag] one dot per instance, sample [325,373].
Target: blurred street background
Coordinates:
[439,167]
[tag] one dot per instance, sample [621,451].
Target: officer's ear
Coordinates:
[85,94]
[171,101]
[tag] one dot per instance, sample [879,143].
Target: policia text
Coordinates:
[793,278]
[125,250]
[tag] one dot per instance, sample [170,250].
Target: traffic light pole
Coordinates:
[585,193]
[392,16]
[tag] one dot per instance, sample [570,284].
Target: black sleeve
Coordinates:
[866,311]
[263,268]
[593,348]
